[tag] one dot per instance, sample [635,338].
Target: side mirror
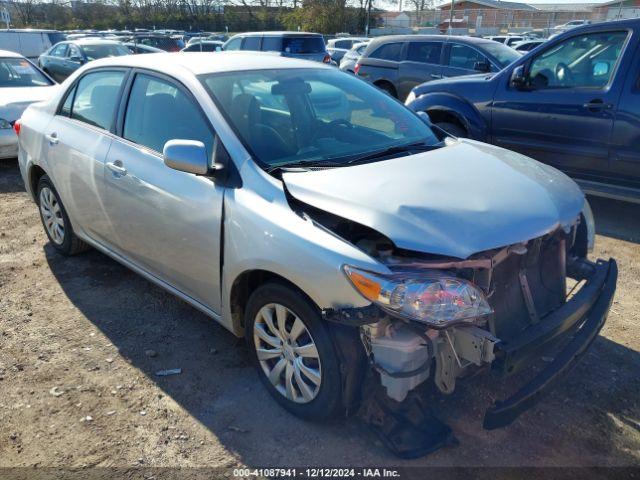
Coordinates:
[483,67]
[188,156]
[518,78]
[424,116]
[76,59]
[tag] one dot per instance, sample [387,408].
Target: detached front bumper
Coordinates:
[8,143]
[575,325]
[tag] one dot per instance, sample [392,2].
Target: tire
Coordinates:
[453,129]
[388,88]
[52,211]
[326,397]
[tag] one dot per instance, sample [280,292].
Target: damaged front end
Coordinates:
[438,318]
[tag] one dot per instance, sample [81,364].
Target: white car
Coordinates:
[21,84]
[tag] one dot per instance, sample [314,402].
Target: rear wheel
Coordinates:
[56,221]
[293,352]
[453,128]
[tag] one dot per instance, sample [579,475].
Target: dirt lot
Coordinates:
[78,384]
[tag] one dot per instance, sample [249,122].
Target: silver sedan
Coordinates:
[310,212]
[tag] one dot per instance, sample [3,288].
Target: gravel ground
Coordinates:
[81,339]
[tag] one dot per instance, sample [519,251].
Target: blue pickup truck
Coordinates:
[573,102]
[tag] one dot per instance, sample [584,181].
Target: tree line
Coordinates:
[323,16]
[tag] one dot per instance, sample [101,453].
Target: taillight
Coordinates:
[327,59]
[16,127]
[356,69]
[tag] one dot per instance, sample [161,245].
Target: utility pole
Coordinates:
[451,18]
[368,17]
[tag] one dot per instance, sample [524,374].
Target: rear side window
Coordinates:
[251,43]
[464,57]
[303,45]
[424,52]
[59,50]
[388,51]
[96,98]
[271,44]
[158,111]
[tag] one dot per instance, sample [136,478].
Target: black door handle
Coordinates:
[597,104]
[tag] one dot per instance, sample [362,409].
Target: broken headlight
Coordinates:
[431,297]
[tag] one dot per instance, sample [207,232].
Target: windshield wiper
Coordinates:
[420,146]
[304,164]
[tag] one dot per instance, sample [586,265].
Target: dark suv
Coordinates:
[397,63]
[573,103]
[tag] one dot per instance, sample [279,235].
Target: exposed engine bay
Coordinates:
[522,283]
[435,318]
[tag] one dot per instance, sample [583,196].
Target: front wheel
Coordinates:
[293,352]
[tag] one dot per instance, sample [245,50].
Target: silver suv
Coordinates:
[331,226]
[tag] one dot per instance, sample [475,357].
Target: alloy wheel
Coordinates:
[287,353]
[52,215]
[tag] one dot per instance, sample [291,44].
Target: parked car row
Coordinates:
[572,103]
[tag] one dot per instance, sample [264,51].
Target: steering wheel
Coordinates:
[564,75]
[327,127]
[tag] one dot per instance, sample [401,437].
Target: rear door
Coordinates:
[165,221]
[53,63]
[422,63]
[383,63]
[76,145]
[564,117]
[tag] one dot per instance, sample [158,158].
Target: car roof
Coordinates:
[278,34]
[93,41]
[198,63]
[7,53]
[419,38]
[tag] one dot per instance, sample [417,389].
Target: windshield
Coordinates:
[304,115]
[501,53]
[18,72]
[98,50]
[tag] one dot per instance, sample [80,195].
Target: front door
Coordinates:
[165,221]
[564,115]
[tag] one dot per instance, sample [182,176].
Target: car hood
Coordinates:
[439,85]
[16,100]
[458,200]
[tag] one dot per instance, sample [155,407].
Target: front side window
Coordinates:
[74,52]
[293,115]
[462,56]
[502,54]
[158,111]
[19,72]
[96,98]
[587,60]
[388,51]
[424,52]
